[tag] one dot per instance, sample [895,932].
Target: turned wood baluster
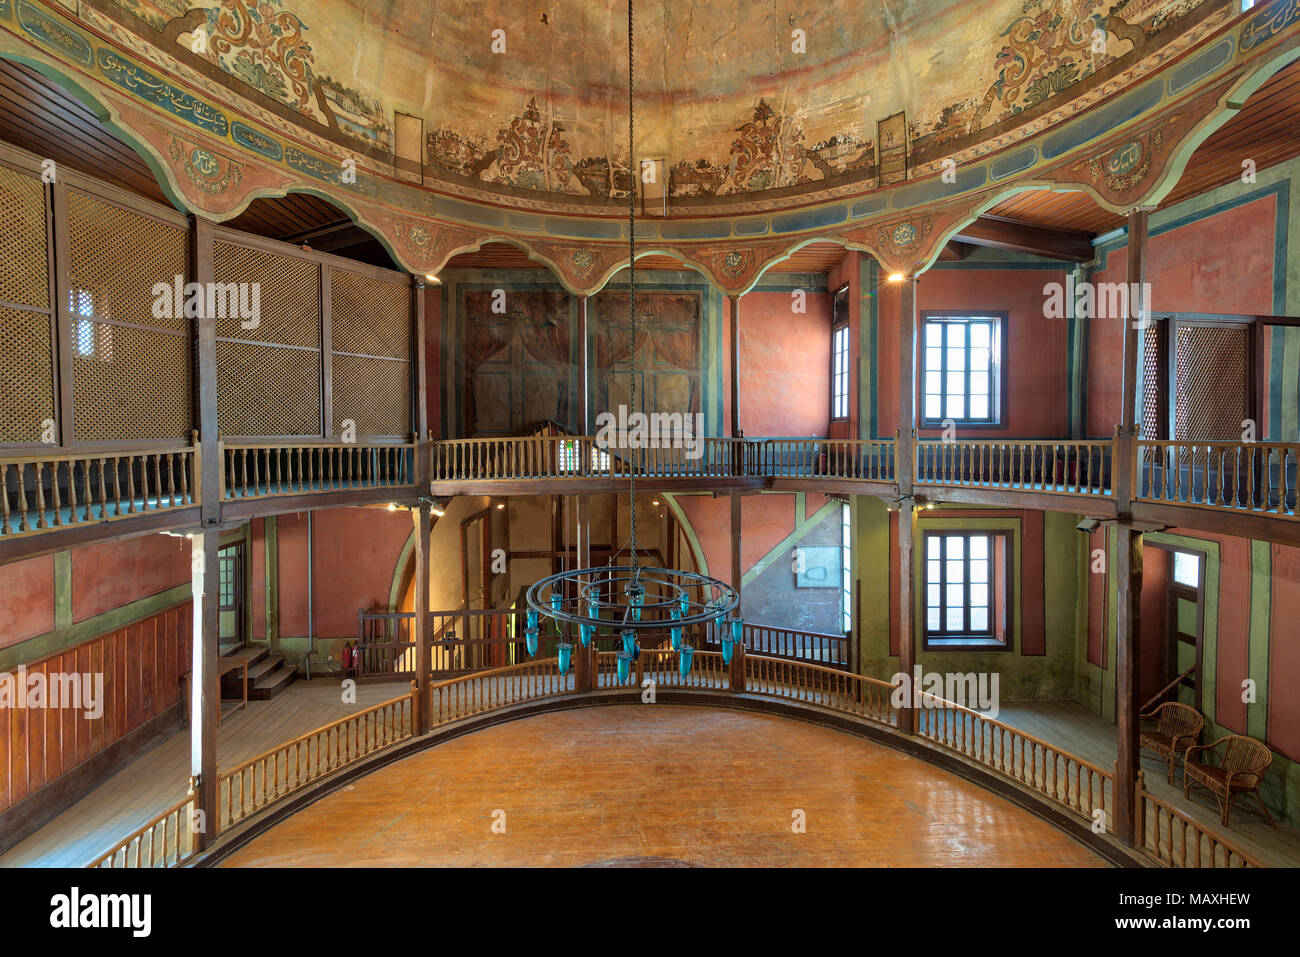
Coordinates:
[54,491]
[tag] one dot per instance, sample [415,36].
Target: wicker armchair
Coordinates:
[1240,769]
[1178,727]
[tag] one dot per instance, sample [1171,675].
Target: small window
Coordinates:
[965,589]
[840,353]
[840,373]
[961,362]
[1187,569]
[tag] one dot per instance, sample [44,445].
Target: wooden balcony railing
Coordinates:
[581,457]
[1063,779]
[1251,476]
[1175,840]
[260,469]
[477,693]
[1071,467]
[166,841]
[858,695]
[1069,781]
[795,645]
[43,492]
[292,766]
[855,460]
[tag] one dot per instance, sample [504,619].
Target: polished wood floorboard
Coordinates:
[662,784]
[1073,727]
[159,778]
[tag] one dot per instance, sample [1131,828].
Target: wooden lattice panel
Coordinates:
[370,328]
[26,375]
[129,383]
[1212,386]
[289,295]
[265,390]
[118,256]
[24,249]
[1152,342]
[370,317]
[268,376]
[374,393]
[26,339]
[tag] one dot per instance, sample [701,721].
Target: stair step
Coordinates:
[263,667]
[272,684]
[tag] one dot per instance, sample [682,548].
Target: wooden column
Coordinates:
[584,371]
[1128,570]
[735,365]
[420,410]
[904,461]
[205,689]
[735,544]
[422,712]
[204,334]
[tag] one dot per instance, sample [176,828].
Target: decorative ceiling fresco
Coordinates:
[532,95]
[886,135]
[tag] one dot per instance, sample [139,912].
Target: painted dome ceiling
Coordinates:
[527,98]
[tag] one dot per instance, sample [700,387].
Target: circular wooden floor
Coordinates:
[661,786]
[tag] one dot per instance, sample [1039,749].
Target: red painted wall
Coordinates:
[1188,272]
[355,553]
[26,600]
[1284,654]
[1036,400]
[112,574]
[784,364]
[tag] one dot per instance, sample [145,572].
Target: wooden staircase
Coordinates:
[267,675]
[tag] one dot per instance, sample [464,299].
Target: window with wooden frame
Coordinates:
[963,364]
[840,354]
[965,588]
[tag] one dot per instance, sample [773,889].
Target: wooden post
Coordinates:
[205,690]
[735,365]
[738,669]
[1129,571]
[1139,812]
[904,461]
[204,333]
[735,545]
[421,719]
[584,371]
[420,410]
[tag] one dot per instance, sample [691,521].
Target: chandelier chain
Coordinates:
[631,240]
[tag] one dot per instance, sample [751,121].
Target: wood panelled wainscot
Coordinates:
[51,757]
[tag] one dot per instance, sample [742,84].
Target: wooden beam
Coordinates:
[736,573]
[904,450]
[735,365]
[1129,573]
[954,251]
[998,232]
[204,332]
[584,370]
[205,688]
[422,716]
